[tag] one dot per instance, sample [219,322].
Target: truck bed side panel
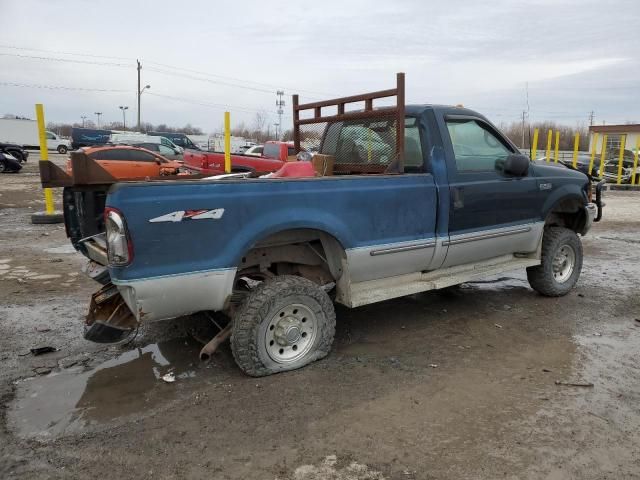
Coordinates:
[358,211]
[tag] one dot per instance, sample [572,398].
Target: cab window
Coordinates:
[50,136]
[475,146]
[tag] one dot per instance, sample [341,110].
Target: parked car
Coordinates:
[269,251]
[127,162]
[25,133]
[179,139]
[89,137]
[274,155]
[18,152]
[167,152]
[254,151]
[138,138]
[9,163]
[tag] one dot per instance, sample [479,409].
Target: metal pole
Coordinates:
[635,161]
[593,151]
[557,148]
[548,152]
[296,126]
[576,144]
[98,115]
[139,92]
[534,146]
[44,155]
[400,119]
[227,142]
[603,153]
[623,139]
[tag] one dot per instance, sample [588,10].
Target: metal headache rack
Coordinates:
[349,139]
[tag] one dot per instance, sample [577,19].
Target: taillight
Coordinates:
[119,246]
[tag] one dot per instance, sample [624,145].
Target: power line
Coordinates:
[68,60]
[208,80]
[252,85]
[13,47]
[56,87]
[224,77]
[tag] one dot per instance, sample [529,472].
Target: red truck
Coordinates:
[274,155]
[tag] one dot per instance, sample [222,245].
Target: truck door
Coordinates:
[490,214]
[52,141]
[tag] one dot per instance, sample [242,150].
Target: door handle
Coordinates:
[458,197]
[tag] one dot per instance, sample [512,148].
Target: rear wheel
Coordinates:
[62,149]
[561,263]
[285,323]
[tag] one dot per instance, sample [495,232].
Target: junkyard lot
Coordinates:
[452,384]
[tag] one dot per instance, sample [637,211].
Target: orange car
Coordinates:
[124,161]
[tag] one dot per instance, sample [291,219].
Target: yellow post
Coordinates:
[603,152]
[621,158]
[548,153]
[44,155]
[227,142]
[594,147]
[576,144]
[534,147]
[557,148]
[635,161]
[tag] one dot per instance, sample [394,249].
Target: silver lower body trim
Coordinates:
[160,298]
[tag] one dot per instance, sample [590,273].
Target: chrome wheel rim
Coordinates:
[291,333]
[563,263]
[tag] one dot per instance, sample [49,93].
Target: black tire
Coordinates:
[62,149]
[17,154]
[555,281]
[254,322]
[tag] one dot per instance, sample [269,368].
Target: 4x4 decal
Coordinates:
[181,215]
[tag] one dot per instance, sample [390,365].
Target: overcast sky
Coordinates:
[576,56]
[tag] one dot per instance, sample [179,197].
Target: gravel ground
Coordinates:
[456,384]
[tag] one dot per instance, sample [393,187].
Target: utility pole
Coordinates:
[124,116]
[139,91]
[523,116]
[83,117]
[280,105]
[98,115]
[592,116]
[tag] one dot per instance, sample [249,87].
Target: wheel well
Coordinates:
[568,213]
[304,252]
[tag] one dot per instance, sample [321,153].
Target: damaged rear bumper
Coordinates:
[121,306]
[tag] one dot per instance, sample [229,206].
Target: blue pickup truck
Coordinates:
[274,254]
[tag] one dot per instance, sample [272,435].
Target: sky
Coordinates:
[201,57]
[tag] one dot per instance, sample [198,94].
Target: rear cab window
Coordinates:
[271,150]
[372,142]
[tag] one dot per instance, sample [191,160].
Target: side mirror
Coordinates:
[304,156]
[516,165]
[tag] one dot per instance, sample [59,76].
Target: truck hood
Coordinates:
[544,169]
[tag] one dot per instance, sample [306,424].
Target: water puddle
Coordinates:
[70,400]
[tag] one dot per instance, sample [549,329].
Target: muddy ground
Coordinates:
[459,384]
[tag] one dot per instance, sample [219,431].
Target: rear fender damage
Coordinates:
[109,318]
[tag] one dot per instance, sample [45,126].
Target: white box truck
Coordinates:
[25,132]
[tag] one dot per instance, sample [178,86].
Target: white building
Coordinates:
[615,133]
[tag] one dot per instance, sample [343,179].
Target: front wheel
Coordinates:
[285,323]
[62,149]
[561,263]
